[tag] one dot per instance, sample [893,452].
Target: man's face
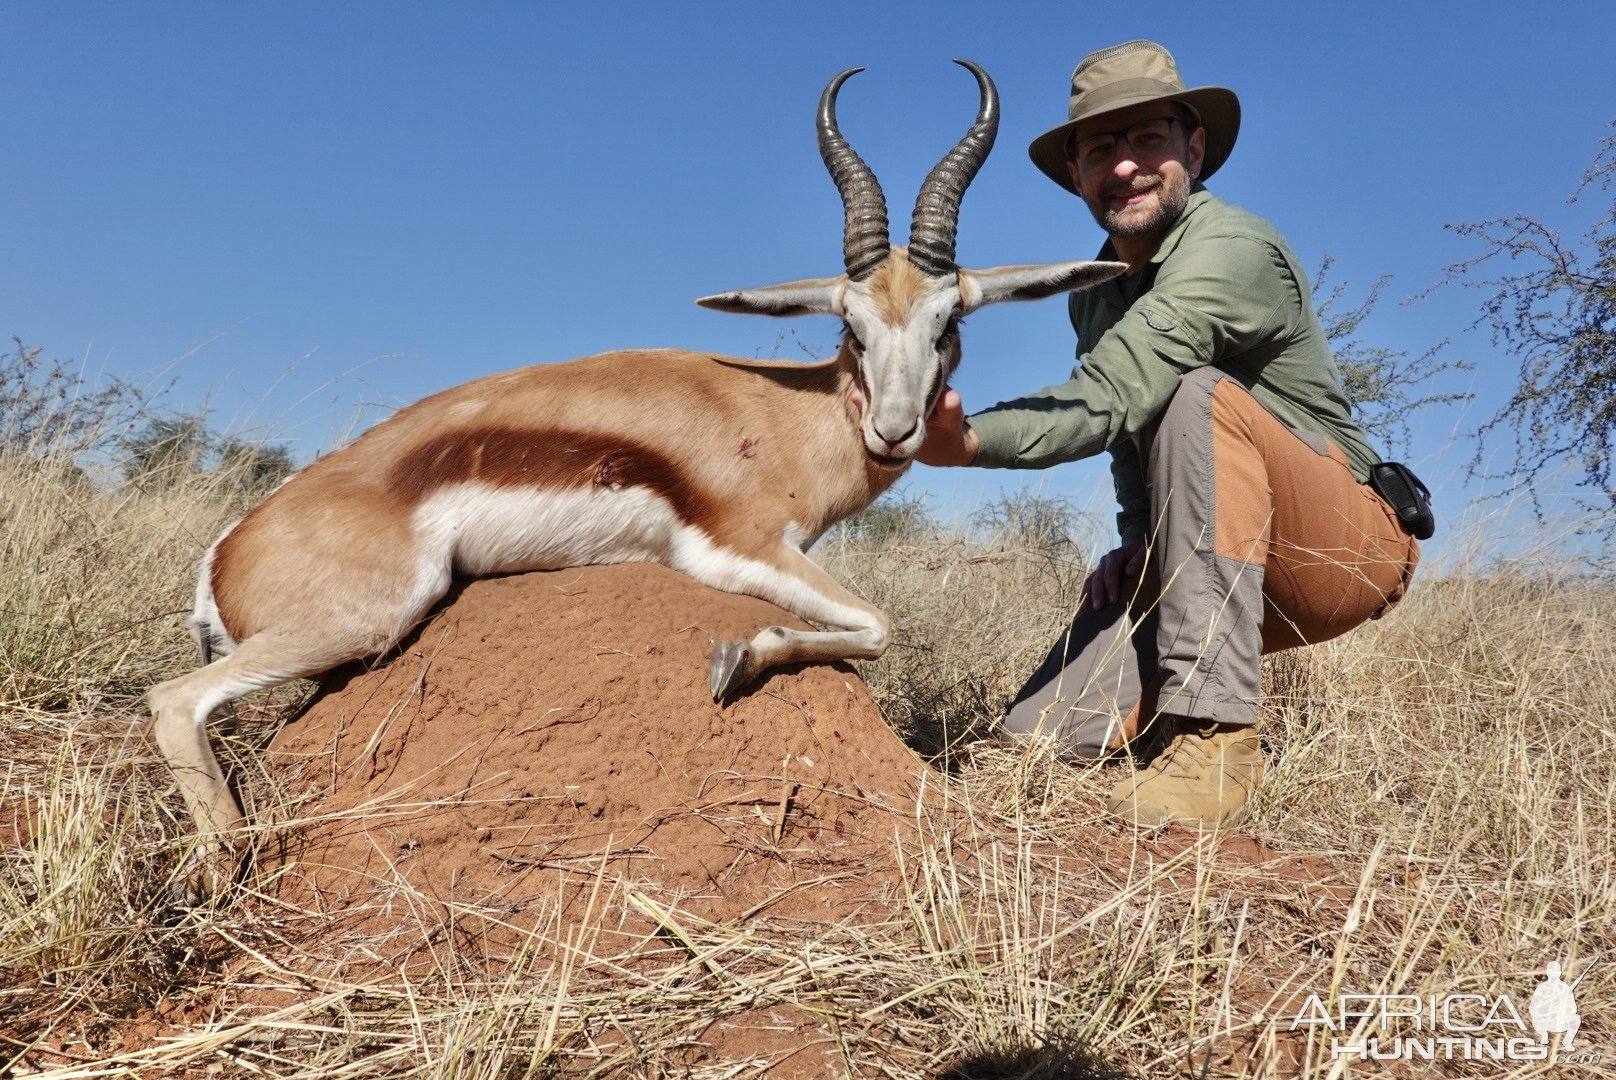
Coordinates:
[1137,190]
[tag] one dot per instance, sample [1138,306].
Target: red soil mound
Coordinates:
[547,731]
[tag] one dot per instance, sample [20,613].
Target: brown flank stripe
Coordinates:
[545,458]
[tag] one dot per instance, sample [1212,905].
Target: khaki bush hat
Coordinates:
[1131,74]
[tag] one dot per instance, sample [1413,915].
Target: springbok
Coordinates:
[725,469]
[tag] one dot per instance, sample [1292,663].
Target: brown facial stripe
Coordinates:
[546,458]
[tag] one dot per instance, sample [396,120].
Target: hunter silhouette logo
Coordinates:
[1553,1007]
[1453,1027]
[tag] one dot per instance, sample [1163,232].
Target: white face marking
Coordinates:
[902,366]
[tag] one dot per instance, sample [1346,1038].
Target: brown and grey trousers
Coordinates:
[1264,540]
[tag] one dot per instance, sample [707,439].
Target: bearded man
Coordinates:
[1248,521]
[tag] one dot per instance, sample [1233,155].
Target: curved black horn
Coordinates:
[931,232]
[865,242]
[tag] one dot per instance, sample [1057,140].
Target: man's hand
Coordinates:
[948,440]
[1114,580]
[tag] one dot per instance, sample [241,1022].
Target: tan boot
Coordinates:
[1201,778]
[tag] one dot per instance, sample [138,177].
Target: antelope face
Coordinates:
[902,331]
[901,306]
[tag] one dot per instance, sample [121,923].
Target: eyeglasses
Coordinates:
[1147,137]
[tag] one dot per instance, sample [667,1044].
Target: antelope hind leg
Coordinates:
[180,709]
[179,724]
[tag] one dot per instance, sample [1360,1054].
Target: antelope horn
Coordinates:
[931,232]
[865,244]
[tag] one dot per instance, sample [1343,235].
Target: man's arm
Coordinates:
[1213,299]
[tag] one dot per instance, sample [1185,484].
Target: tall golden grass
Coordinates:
[1438,819]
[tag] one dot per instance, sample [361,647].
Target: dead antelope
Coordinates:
[722,468]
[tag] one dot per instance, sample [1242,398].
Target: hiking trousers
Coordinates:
[1264,540]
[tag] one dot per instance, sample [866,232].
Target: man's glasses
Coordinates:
[1147,137]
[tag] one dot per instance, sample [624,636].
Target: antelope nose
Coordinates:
[890,441]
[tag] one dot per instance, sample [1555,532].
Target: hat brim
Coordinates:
[1217,106]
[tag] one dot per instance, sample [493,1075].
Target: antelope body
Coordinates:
[722,468]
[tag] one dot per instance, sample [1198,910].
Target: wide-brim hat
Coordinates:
[1131,74]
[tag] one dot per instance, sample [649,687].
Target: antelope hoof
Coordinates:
[731,667]
[205,875]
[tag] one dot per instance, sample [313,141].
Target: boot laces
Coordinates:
[1193,752]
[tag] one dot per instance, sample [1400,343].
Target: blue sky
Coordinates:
[303,213]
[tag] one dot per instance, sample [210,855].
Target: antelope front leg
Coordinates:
[796,583]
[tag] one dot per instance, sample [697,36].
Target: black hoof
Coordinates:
[731,667]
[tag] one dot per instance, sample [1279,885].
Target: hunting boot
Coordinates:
[1201,778]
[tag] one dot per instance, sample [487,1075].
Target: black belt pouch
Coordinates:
[1408,498]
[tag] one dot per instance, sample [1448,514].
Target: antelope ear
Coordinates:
[814,296]
[979,288]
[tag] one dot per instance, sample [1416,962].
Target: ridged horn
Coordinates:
[865,240]
[936,220]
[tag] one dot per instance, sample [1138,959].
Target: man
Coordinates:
[1247,525]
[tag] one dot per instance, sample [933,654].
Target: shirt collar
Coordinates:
[1199,197]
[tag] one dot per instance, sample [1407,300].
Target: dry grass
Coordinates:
[1437,819]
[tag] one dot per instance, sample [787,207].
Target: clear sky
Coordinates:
[297,210]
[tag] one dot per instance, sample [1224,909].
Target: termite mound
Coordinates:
[545,747]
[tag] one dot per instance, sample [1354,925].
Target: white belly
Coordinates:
[479,529]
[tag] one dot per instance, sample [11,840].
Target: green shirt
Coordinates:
[1223,288]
